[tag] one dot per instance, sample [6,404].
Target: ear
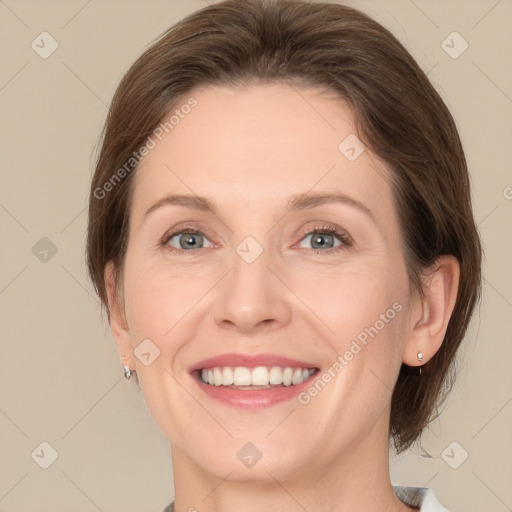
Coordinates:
[117,317]
[430,314]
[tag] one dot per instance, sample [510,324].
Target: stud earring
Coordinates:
[420,356]
[127,372]
[125,363]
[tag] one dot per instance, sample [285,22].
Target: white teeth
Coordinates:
[259,376]
[227,377]
[297,376]
[287,376]
[217,377]
[242,376]
[276,375]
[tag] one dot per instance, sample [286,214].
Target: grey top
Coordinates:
[411,496]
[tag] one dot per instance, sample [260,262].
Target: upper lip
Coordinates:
[250,361]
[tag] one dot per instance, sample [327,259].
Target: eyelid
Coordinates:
[326,228]
[345,239]
[181,229]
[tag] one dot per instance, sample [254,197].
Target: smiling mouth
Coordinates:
[257,378]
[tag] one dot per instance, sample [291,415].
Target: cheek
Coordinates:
[158,296]
[365,309]
[148,308]
[354,298]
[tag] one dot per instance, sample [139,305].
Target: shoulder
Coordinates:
[419,497]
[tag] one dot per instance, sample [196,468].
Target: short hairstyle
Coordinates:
[398,114]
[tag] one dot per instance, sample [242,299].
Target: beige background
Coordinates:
[61,381]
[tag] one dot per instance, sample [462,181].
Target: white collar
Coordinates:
[419,497]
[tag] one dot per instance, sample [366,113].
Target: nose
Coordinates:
[251,298]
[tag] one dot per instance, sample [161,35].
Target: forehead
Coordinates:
[260,145]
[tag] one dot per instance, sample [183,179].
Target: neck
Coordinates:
[354,479]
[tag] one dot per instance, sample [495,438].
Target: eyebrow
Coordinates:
[311,200]
[296,203]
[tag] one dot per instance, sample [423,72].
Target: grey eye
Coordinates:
[320,240]
[188,241]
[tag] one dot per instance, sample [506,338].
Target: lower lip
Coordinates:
[253,398]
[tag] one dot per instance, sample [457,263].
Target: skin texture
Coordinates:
[248,150]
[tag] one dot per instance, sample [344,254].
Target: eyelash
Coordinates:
[345,239]
[321,229]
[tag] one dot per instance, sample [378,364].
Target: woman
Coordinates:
[280,229]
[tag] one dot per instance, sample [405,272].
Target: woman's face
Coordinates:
[272,272]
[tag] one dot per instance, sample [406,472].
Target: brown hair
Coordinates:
[399,116]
